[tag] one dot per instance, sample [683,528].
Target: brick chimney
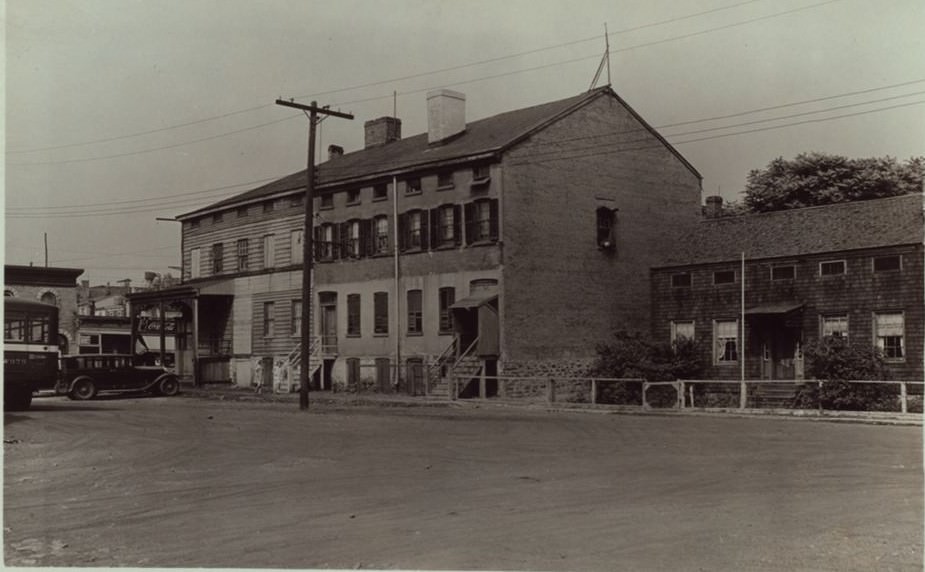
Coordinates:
[381,131]
[446,114]
[714,206]
[335,151]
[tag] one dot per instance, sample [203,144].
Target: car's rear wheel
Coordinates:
[83,390]
[169,386]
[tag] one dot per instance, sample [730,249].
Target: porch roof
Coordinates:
[216,287]
[474,301]
[777,309]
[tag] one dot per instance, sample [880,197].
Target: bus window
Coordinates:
[38,326]
[14,329]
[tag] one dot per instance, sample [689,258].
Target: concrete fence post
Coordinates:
[593,392]
[903,397]
[645,387]
[679,387]
[743,395]
[551,390]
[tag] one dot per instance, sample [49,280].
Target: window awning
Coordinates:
[778,309]
[474,301]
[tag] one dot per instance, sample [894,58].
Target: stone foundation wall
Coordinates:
[564,389]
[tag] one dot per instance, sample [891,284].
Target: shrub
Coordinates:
[835,361]
[635,355]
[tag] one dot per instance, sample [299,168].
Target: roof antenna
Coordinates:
[604,60]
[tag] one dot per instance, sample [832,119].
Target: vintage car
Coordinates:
[84,376]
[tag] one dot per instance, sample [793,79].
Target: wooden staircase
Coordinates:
[451,372]
[294,364]
[773,395]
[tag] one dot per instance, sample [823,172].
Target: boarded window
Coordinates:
[381,313]
[195,269]
[269,250]
[682,280]
[415,313]
[295,246]
[295,320]
[887,263]
[353,314]
[724,277]
[447,298]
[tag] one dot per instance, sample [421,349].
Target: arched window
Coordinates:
[49,298]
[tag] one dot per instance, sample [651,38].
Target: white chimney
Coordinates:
[446,114]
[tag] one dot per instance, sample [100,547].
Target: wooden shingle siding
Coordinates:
[858,294]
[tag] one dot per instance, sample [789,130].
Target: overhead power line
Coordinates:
[600,149]
[371,84]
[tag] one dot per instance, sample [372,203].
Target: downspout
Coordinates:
[397,281]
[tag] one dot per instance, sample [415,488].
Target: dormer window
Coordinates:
[445,180]
[353,197]
[413,186]
[606,228]
[380,192]
[481,176]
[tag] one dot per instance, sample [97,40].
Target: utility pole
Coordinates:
[311,111]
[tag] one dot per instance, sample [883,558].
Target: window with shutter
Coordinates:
[381,313]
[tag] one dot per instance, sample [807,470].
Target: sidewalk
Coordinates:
[347,399]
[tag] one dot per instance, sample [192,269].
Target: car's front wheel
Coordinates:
[83,390]
[169,386]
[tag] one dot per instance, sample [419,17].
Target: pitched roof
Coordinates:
[812,230]
[481,138]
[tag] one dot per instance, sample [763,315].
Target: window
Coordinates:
[381,234]
[835,326]
[683,329]
[194,223]
[445,180]
[481,220]
[606,224]
[268,206]
[682,280]
[480,175]
[49,298]
[383,374]
[217,217]
[445,225]
[413,186]
[724,277]
[269,250]
[783,272]
[831,267]
[353,372]
[295,318]
[380,192]
[297,200]
[352,245]
[324,242]
[218,255]
[194,259]
[887,263]
[326,201]
[414,230]
[381,313]
[415,315]
[725,338]
[889,328]
[242,212]
[295,246]
[353,197]
[447,297]
[269,319]
[353,314]
[242,254]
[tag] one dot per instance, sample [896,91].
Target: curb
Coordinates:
[346,400]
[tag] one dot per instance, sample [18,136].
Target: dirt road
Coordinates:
[190,482]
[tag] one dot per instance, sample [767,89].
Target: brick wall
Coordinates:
[561,294]
[67,307]
[858,294]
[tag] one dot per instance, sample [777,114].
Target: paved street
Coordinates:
[192,482]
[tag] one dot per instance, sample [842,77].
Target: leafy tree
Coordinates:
[819,179]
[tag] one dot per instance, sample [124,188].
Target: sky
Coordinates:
[120,112]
